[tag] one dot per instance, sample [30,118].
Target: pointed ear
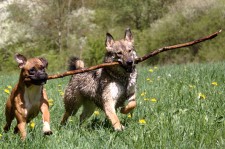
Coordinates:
[44,61]
[109,40]
[128,35]
[21,60]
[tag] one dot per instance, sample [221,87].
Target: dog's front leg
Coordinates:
[110,112]
[46,117]
[21,125]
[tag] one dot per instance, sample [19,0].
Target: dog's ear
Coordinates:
[21,60]
[128,35]
[44,61]
[109,40]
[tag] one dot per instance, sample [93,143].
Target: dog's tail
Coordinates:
[75,63]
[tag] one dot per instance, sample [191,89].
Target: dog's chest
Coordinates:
[32,96]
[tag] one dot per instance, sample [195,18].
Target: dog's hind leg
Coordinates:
[9,117]
[88,109]
[71,108]
[129,107]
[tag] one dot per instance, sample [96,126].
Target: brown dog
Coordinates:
[28,97]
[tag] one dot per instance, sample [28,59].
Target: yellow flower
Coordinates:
[59,85]
[96,112]
[32,124]
[214,83]
[142,121]
[50,102]
[155,67]
[148,79]
[6,91]
[0,136]
[61,93]
[9,87]
[150,70]
[146,99]
[129,116]
[153,100]
[201,96]
[143,93]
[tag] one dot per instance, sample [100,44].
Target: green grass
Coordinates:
[175,116]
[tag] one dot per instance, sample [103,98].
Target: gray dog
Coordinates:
[107,88]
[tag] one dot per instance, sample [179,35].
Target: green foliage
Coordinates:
[95,52]
[175,115]
[186,23]
[59,29]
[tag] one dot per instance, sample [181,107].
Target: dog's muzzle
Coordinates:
[39,78]
[129,66]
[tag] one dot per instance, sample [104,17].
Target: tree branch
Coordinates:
[138,60]
[155,52]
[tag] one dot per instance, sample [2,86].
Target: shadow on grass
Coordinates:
[97,123]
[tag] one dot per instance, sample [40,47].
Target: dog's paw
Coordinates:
[6,128]
[47,133]
[121,128]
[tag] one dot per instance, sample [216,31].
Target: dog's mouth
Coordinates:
[129,67]
[38,80]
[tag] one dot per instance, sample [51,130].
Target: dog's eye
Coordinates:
[42,67]
[32,70]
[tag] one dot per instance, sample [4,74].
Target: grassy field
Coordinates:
[179,106]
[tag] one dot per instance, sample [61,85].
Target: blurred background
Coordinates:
[58,29]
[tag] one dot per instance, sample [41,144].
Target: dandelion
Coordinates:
[150,70]
[201,96]
[146,99]
[59,85]
[96,112]
[155,67]
[9,87]
[142,121]
[129,116]
[153,100]
[61,93]
[0,136]
[214,83]
[6,91]
[32,125]
[148,79]
[143,93]
[50,102]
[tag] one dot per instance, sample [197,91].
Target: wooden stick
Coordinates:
[81,70]
[138,60]
[155,52]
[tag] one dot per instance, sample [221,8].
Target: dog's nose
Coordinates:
[130,62]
